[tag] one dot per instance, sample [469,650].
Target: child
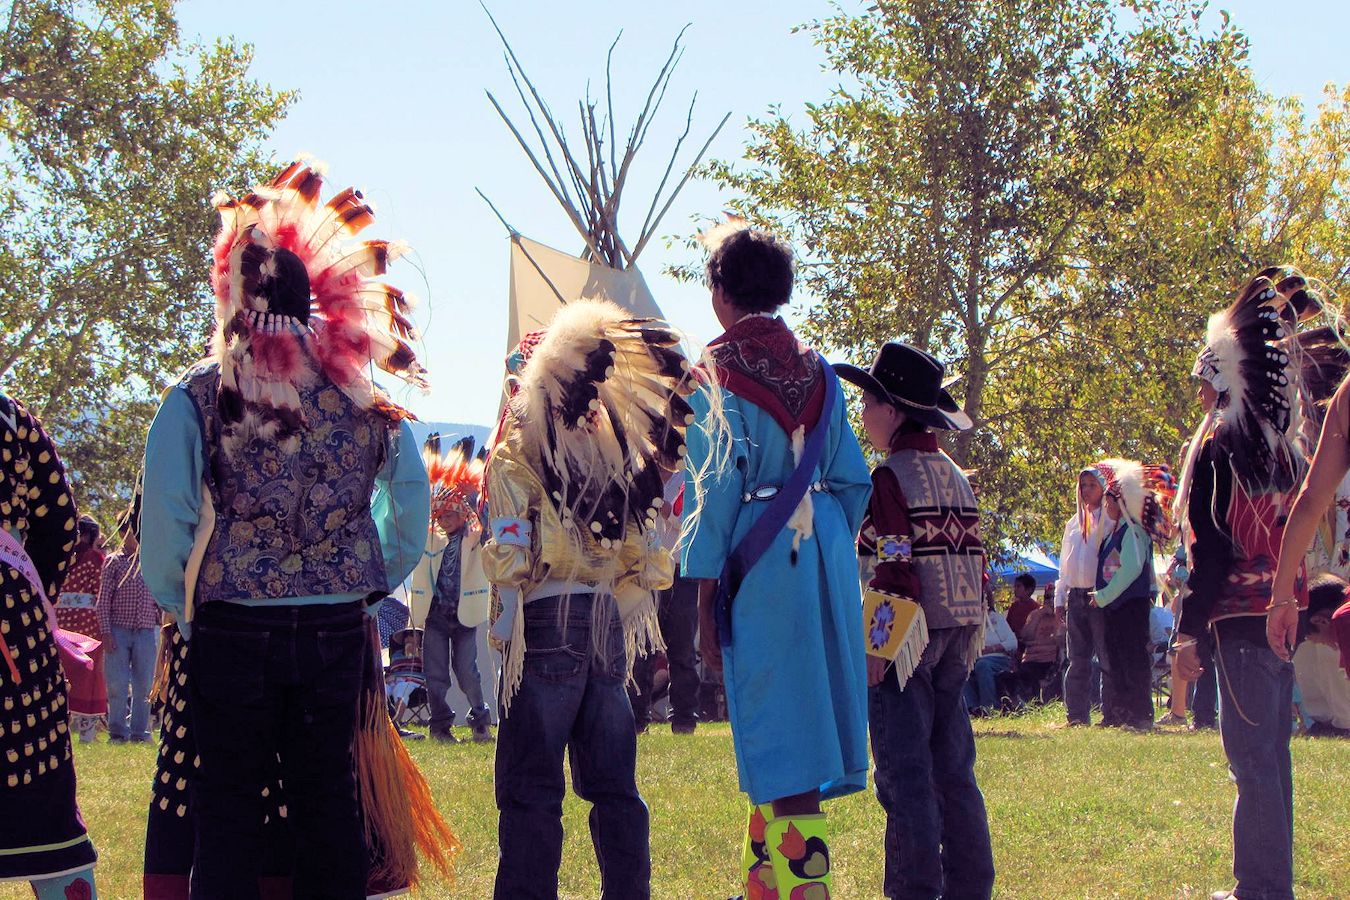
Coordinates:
[922,535]
[1125,585]
[574,483]
[791,628]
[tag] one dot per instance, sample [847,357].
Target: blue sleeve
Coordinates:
[845,469]
[716,503]
[401,507]
[1134,555]
[171,499]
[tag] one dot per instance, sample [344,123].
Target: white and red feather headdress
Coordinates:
[456,479]
[355,319]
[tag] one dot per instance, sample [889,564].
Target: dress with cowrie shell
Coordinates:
[41,831]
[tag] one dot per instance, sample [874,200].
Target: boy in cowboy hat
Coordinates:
[921,539]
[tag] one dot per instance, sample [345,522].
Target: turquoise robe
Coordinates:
[795,673]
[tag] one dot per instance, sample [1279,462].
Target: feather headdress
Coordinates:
[602,406]
[456,479]
[1252,359]
[352,319]
[1145,494]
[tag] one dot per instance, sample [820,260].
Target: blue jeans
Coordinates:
[447,645]
[130,666]
[937,832]
[571,701]
[981,690]
[268,682]
[1256,685]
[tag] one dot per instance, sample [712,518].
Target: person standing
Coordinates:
[449,644]
[775,518]
[593,429]
[129,621]
[43,838]
[1136,502]
[284,492]
[1237,485]
[922,535]
[76,612]
[1086,622]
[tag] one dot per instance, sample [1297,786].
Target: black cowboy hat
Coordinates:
[910,380]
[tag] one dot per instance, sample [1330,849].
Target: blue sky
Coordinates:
[392,98]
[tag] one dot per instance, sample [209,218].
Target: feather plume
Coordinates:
[456,478]
[602,401]
[355,319]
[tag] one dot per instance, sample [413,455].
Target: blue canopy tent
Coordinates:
[1032,560]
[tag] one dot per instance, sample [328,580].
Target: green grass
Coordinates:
[1074,813]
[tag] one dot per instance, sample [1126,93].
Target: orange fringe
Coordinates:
[159,688]
[401,819]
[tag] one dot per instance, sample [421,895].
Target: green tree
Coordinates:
[115,133]
[1030,190]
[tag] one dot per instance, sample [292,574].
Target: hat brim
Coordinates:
[946,414]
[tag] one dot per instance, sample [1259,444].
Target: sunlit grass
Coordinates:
[1074,813]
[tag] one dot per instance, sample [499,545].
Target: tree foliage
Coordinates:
[115,133]
[1050,195]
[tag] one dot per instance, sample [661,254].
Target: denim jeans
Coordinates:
[677,611]
[571,701]
[937,832]
[981,691]
[1087,638]
[449,645]
[130,667]
[1257,689]
[1204,699]
[269,682]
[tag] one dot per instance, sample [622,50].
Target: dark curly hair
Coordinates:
[754,268]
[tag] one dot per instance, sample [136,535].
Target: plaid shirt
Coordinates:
[123,599]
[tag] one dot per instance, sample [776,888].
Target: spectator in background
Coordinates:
[1042,641]
[1322,681]
[1024,602]
[75,612]
[128,619]
[996,659]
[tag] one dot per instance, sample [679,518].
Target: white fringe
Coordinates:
[911,651]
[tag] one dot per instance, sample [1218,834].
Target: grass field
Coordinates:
[1074,813]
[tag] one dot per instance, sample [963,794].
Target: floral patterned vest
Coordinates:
[292,525]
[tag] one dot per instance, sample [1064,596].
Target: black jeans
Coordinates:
[1127,685]
[1087,638]
[678,613]
[1205,692]
[571,701]
[937,831]
[268,683]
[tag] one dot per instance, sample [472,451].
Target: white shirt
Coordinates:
[997,631]
[1322,681]
[1078,557]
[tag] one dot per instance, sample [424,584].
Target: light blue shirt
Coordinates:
[172,499]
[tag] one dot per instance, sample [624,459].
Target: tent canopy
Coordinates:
[1032,560]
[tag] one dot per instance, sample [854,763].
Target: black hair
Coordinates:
[754,269]
[89,529]
[1027,580]
[1325,594]
[279,277]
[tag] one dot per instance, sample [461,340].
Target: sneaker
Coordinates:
[482,734]
[1224,895]
[444,735]
[410,735]
[1172,719]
